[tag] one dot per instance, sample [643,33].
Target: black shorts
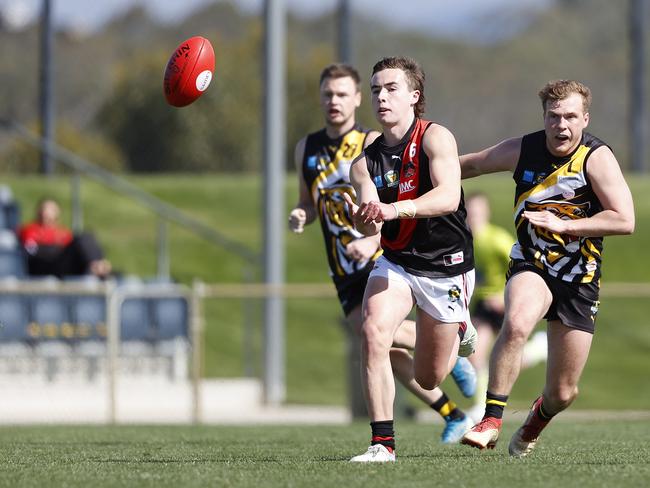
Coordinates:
[351,289]
[575,304]
[484,314]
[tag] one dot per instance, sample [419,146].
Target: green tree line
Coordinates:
[111,111]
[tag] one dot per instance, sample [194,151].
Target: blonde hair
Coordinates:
[561,89]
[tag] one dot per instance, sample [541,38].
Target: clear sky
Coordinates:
[440,16]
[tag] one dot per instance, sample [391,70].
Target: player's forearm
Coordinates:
[467,169]
[436,202]
[605,223]
[311,215]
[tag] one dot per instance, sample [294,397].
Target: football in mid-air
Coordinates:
[189,71]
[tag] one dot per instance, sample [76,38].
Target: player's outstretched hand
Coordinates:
[381,212]
[547,220]
[366,213]
[364,217]
[354,208]
[297,220]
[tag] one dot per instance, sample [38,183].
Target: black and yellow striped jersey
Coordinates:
[326,171]
[561,186]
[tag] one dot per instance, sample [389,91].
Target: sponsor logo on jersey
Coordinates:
[568,184]
[391,178]
[540,178]
[528,176]
[312,161]
[379,181]
[453,259]
[406,186]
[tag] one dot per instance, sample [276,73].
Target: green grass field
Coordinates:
[615,375]
[571,454]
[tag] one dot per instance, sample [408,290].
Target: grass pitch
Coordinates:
[571,454]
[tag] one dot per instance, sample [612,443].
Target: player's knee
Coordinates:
[374,340]
[562,396]
[429,379]
[515,331]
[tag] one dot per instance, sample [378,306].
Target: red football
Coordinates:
[189,71]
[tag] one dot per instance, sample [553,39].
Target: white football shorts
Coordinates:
[446,298]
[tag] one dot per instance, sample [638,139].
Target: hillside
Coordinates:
[483,92]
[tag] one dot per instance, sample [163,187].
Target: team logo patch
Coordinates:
[454,293]
[409,169]
[528,176]
[594,310]
[379,182]
[391,178]
[595,306]
[540,178]
[562,210]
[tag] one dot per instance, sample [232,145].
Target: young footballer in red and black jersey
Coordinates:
[435,246]
[323,161]
[408,190]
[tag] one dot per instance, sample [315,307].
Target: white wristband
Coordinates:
[394,205]
[405,209]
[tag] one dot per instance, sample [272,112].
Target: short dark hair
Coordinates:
[414,76]
[561,89]
[340,70]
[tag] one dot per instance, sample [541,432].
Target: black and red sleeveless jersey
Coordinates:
[437,246]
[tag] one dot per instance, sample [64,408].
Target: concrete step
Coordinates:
[143,399]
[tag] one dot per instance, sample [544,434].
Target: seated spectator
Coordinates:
[52,249]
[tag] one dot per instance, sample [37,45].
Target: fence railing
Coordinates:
[115,296]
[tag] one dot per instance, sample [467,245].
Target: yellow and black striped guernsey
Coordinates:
[326,170]
[561,186]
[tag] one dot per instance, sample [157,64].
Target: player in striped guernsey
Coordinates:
[492,246]
[570,192]
[323,160]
